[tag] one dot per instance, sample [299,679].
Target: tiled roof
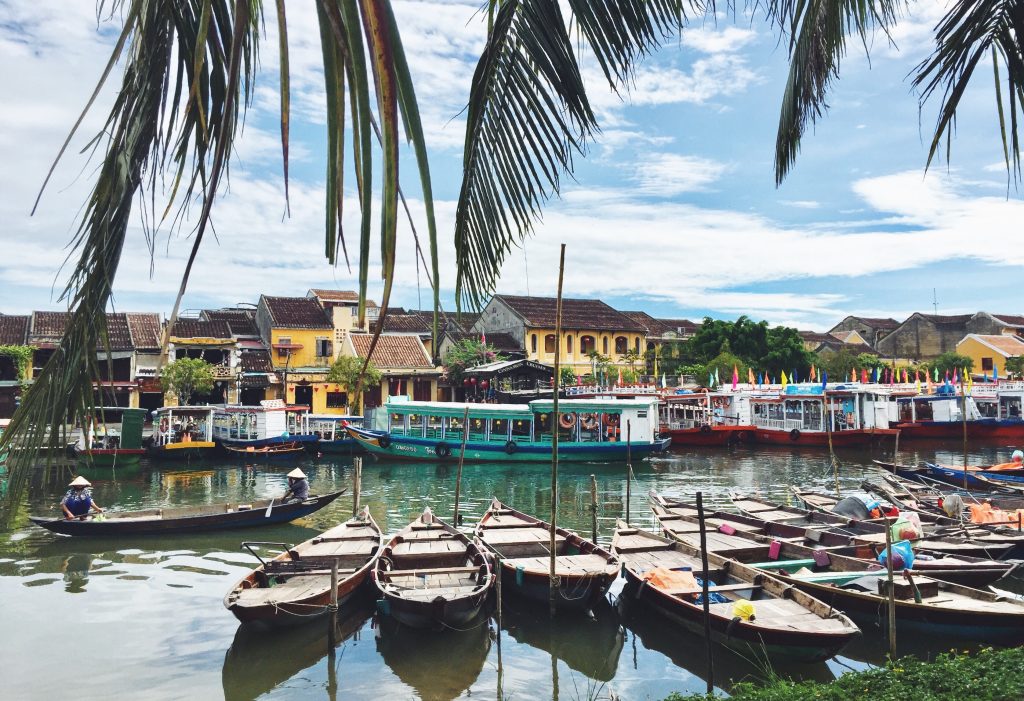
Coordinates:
[1009,346]
[119,334]
[241,322]
[576,313]
[195,328]
[255,361]
[943,319]
[48,328]
[662,327]
[392,352]
[878,322]
[296,313]
[406,323]
[338,296]
[145,330]
[677,324]
[449,321]
[815,337]
[1010,319]
[13,330]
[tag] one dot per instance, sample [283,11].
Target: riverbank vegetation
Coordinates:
[989,675]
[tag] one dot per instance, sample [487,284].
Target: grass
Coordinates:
[989,675]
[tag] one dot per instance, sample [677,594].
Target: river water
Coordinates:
[144,618]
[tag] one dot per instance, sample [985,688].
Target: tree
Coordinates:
[950,362]
[186,377]
[631,358]
[467,353]
[348,370]
[566,376]
[1015,367]
[724,363]
[529,118]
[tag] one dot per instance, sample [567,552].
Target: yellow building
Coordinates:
[404,364]
[587,325]
[990,353]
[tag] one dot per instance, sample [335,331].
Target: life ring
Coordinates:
[442,450]
[163,425]
[589,421]
[384,441]
[794,435]
[610,419]
[511,447]
[567,420]
[705,428]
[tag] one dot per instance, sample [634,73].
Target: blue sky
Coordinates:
[674,210]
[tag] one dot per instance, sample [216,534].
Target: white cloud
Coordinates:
[710,41]
[801,204]
[669,174]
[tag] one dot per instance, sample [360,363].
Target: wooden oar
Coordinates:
[270,507]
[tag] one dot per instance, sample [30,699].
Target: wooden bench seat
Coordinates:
[716,588]
[426,571]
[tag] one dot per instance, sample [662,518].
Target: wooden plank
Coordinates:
[715,588]
[443,570]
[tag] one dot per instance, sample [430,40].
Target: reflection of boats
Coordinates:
[585,570]
[295,586]
[109,444]
[590,646]
[276,451]
[257,663]
[182,433]
[750,612]
[438,666]
[186,519]
[432,575]
[689,651]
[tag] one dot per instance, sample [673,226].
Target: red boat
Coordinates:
[805,416]
[990,416]
[706,419]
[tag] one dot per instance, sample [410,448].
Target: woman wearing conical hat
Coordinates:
[77,502]
[298,486]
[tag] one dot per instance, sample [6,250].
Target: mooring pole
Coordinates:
[892,590]
[963,412]
[710,674]
[552,577]
[332,620]
[593,506]
[629,471]
[357,483]
[462,457]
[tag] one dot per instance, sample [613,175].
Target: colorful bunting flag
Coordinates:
[995,372]
[824,379]
[735,377]
[812,376]
[750,376]
[784,380]
[864,375]
[853,375]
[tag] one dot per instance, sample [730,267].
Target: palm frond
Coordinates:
[968,33]
[528,114]
[818,30]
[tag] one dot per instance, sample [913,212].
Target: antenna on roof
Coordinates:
[935,302]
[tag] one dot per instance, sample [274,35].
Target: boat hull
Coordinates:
[248,518]
[573,594]
[434,615]
[990,429]
[195,450]
[114,457]
[710,435]
[306,440]
[344,446]
[424,449]
[955,476]
[852,437]
[295,613]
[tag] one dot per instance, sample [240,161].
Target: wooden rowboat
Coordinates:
[584,569]
[829,529]
[295,586]
[787,624]
[859,589]
[732,535]
[273,451]
[188,519]
[431,575]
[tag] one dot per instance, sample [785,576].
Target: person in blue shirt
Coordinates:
[77,502]
[298,486]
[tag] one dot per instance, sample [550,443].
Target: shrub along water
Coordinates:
[989,675]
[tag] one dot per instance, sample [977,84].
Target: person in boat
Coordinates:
[1016,462]
[77,502]
[298,486]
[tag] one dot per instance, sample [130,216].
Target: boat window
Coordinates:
[794,411]
[454,427]
[621,345]
[415,425]
[521,430]
[542,427]
[923,410]
[549,343]
[812,416]
[590,428]
[499,430]
[398,423]
[477,429]
[987,408]
[434,426]
[1009,407]
[568,422]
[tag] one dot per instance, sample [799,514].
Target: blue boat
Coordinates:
[271,423]
[955,476]
[331,431]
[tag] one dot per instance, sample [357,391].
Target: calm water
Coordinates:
[143,617]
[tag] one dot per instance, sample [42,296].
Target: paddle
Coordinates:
[270,508]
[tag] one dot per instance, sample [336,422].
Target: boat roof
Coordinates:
[459,409]
[186,409]
[334,417]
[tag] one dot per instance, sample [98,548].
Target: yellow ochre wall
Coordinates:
[304,357]
[579,361]
[976,351]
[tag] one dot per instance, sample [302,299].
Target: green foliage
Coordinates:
[989,675]
[22,357]
[754,344]
[186,377]
[348,370]
[839,364]
[467,353]
[566,376]
[868,361]
[1015,366]
[724,363]
[948,362]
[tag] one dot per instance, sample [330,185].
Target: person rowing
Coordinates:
[77,502]
[298,486]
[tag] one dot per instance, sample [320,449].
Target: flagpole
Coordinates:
[552,579]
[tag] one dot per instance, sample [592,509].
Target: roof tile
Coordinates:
[296,313]
[145,330]
[392,352]
[582,314]
[14,330]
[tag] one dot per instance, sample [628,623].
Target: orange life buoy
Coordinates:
[589,421]
[567,420]
[610,419]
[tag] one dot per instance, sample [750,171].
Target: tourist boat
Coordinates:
[108,443]
[431,575]
[274,451]
[521,542]
[267,424]
[991,414]
[331,433]
[295,586]
[859,589]
[588,429]
[830,530]
[187,519]
[703,420]
[806,415]
[182,433]
[734,536]
[787,624]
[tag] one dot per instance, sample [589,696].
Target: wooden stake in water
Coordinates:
[629,472]
[332,620]
[593,506]
[828,432]
[963,412]
[892,590]
[462,457]
[357,483]
[552,544]
[710,674]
